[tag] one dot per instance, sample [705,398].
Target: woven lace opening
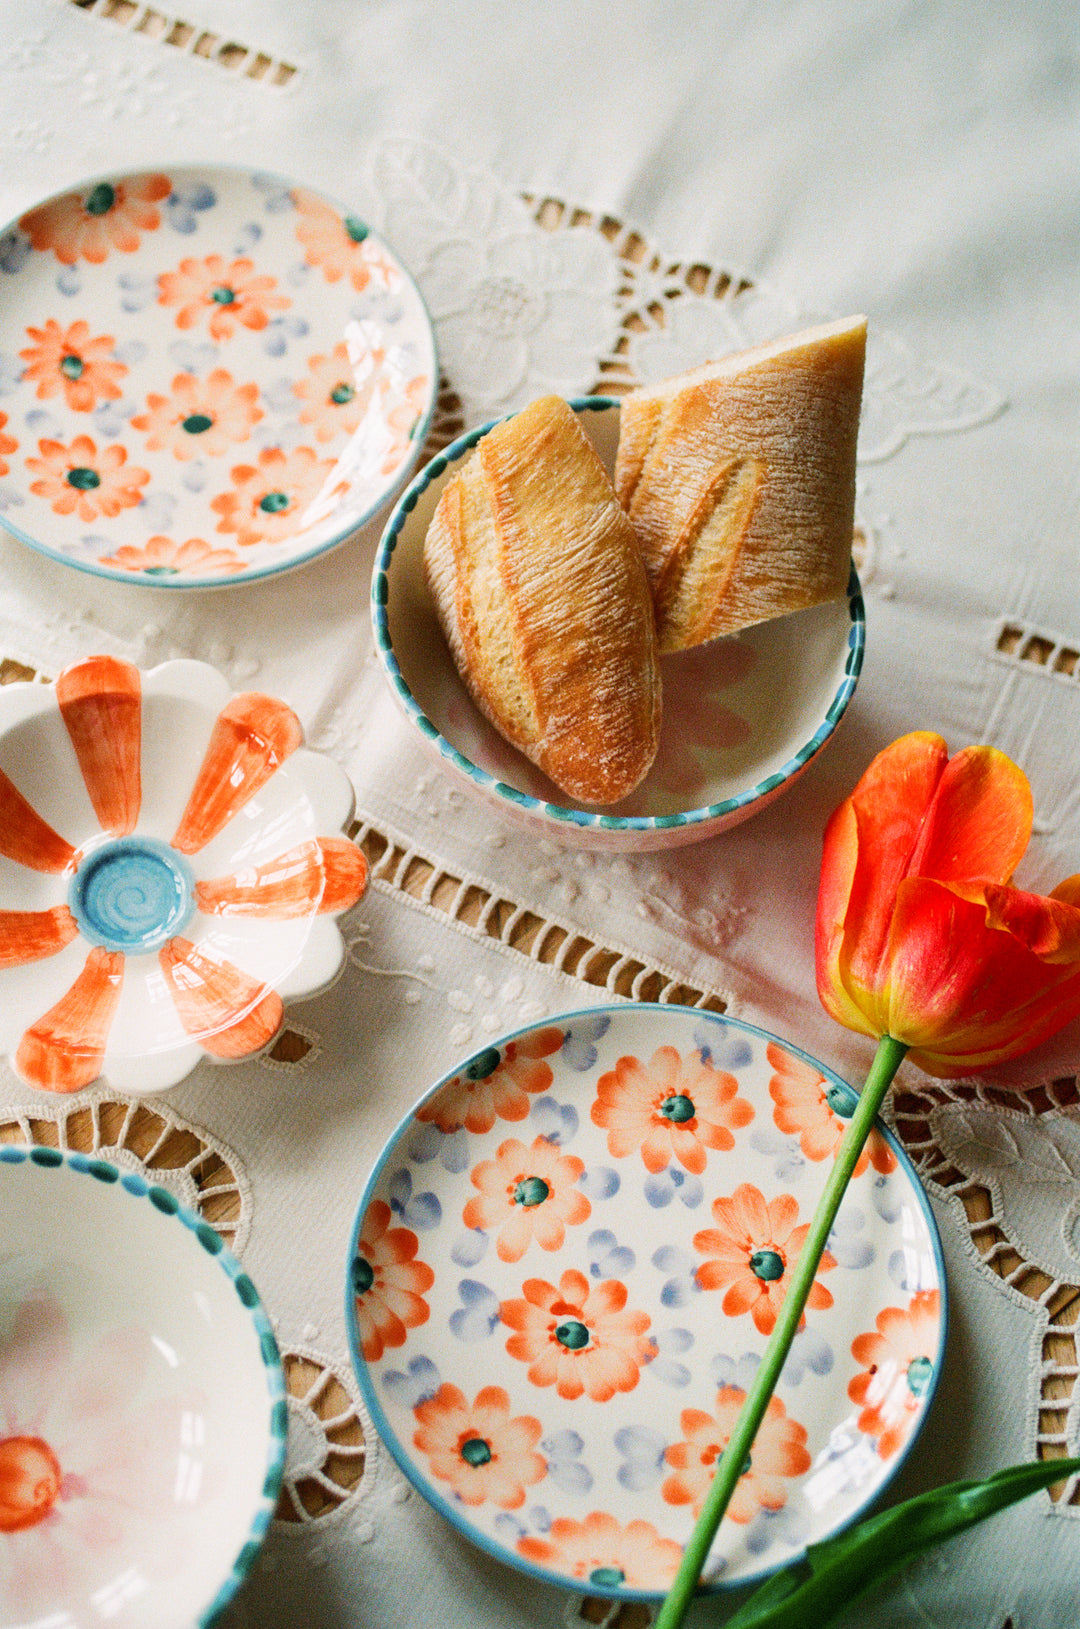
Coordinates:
[235,58]
[1019,643]
[320,1397]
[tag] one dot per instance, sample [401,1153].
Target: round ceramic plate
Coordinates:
[207,376]
[564,1271]
[142,1400]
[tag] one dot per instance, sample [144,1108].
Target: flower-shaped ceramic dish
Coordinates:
[209,376]
[171,866]
[142,1399]
[565,1268]
[743,716]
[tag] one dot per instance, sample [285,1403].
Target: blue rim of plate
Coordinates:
[192,582]
[385,1429]
[166,1203]
[587,819]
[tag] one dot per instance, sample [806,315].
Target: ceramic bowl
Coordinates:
[171,866]
[563,1273]
[210,375]
[743,716]
[142,1398]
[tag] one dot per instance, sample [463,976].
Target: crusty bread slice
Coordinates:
[541,592]
[739,480]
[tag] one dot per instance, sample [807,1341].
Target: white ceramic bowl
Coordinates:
[743,716]
[172,862]
[142,1398]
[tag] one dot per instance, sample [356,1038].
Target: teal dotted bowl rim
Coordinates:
[165,1202]
[586,819]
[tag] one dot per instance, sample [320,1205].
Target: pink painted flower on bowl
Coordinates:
[496,1085]
[339,244]
[199,931]
[337,391]
[162,557]
[602,1551]
[388,1282]
[8,445]
[72,361]
[696,722]
[201,416]
[811,1108]
[81,480]
[479,1448]
[749,1251]
[90,224]
[671,1108]
[228,294]
[277,498]
[577,1337]
[527,1194]
[898,1367]
[778,1454]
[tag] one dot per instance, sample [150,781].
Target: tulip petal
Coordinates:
[325,875]
[978,824]
[25,837]
[1050,928]
[30,936]
[64,1049]
[251,738]
[100,701]
[228,1012]
[840,858]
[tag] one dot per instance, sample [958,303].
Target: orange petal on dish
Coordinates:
[63,1051]
[25,837]
[226,1011]
[100,702]
[317,876]
[30,936]
[251,738]
[346,874]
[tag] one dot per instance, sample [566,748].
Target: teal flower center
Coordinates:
[531,1190]
[572,1334]
[919,1372]
[767,1264]
[223,295]
[841,1099]
[355,228]
[161,571]
[484,1064]
[101,199]
[476,1451]
[342,393]
[196,423]
[132,894]
[274,502]
[678,1108]
[607,1577]
[72,366]
[363,1275]
[83,479]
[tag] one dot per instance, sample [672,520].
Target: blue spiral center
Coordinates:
[132,894]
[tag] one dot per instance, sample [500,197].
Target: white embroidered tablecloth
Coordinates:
[614,193]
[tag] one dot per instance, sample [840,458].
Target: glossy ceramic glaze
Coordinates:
[142,1403]
[172,861]
[210,375]
[743,716]
[564,1271]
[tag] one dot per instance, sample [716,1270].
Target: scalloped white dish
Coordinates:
[211,375]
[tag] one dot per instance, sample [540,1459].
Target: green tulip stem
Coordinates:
[732,1461]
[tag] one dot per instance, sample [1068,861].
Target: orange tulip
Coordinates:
[920,934]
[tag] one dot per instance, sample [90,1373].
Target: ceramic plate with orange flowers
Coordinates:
[209,376]
[563,1273]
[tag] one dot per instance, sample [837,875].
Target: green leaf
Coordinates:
[834,1574]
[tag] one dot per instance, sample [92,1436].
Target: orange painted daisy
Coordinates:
[336,394]
[230,295]
[779,1453]
[80,480]
[71,360]
[897,1369]
[477,1447]
[91,223]
[813,1109]
[527,1194]
[672,1107]
[163,558]
[202,416]
[276,498]
[339,244]
[388,1282]
[576,1337]
[495,1085]
[601,1551]
[749,1252]
[8,444]
[402,420]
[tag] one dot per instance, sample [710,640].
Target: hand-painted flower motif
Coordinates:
[339,244]
[337,391]
[81,480]
[696,722]
[778,1454]
[749,1252]
[403,420]
[202,417]
[284,493]
[388,1283]
[229,295]
[495,1085]
[483,1452]
[527,1194]
[812,1108]
[75,363]
[602,1552]
[162,557]
[898,1369]
[581,1339]
[672,1107]
[90,224]
[8,445]
[123,909]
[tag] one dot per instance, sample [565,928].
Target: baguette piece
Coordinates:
[542,595]
[739,479]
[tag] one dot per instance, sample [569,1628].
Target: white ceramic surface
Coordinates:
[743,716]
[141,1398]
[209,375]
[564,1270]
